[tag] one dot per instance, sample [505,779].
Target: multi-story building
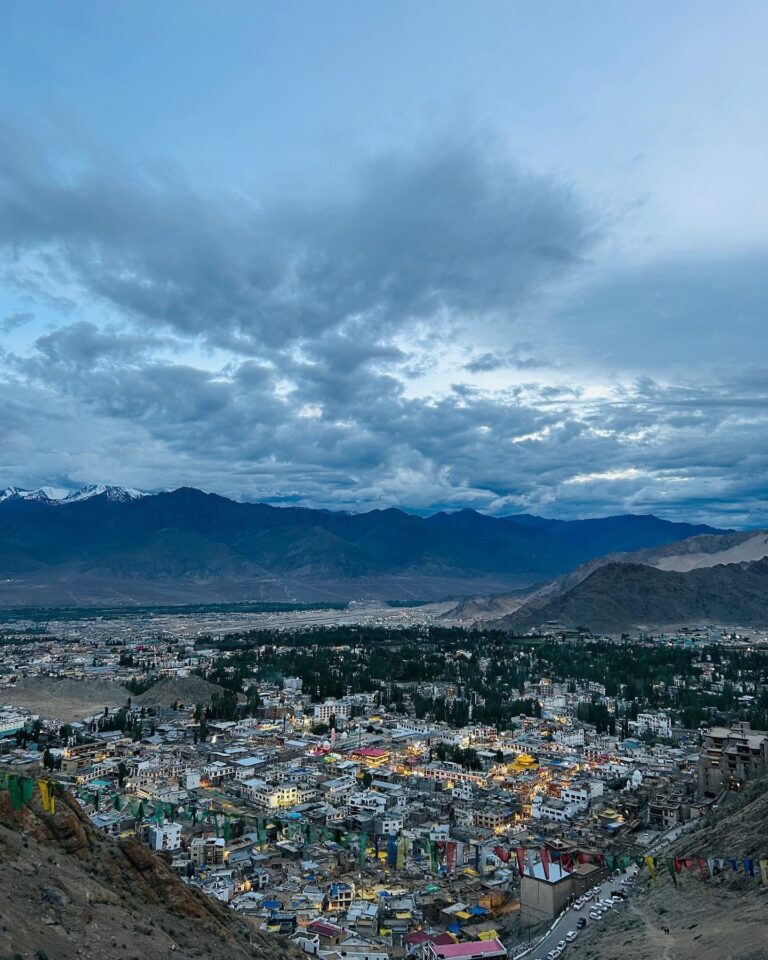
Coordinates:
[491,818]
[271,796]
[658,724]
[323,712]
[731,757]
[165,837]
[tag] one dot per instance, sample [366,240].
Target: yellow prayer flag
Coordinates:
[649,862]
[46,795]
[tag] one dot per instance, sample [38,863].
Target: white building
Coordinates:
[271,796]
[165,837]
[658,724]
[322,712]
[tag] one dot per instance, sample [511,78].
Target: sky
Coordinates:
[500,255]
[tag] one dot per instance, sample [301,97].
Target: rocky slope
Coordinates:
[704,550]
[68,892]
[722,919]
[626,596]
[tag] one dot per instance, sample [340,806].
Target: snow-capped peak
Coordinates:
[57,495]
[116,494]
[43,494]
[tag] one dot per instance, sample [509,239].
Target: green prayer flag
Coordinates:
[671,868]
[27,789]
[14,788]
[362,842]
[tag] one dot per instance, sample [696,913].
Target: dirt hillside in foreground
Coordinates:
[72,893]
[722,919]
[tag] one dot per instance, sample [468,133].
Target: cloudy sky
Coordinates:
[510,256]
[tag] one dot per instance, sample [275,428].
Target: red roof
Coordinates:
[444,938]
[418,936]
[369,752]
[324,928]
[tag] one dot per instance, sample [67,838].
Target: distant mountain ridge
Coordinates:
[538,604]
[627,596]
[107,541]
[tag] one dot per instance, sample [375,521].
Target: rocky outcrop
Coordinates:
[69,892]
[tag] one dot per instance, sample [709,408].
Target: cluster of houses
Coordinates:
[339,825]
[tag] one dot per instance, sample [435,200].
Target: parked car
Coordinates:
[581,923]
[627,881]
[595,915]
[571,936]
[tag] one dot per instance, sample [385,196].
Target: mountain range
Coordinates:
[110,544]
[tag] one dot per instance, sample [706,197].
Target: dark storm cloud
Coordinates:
[363,442]
[84,344]
[504,360]
[275,350]
[455,227]
[15,320]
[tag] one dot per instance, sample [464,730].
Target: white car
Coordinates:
[571,936]
[627,882]
[578,904]
[562,945]
[595,915]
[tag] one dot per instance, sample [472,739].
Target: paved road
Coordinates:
[568,921]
